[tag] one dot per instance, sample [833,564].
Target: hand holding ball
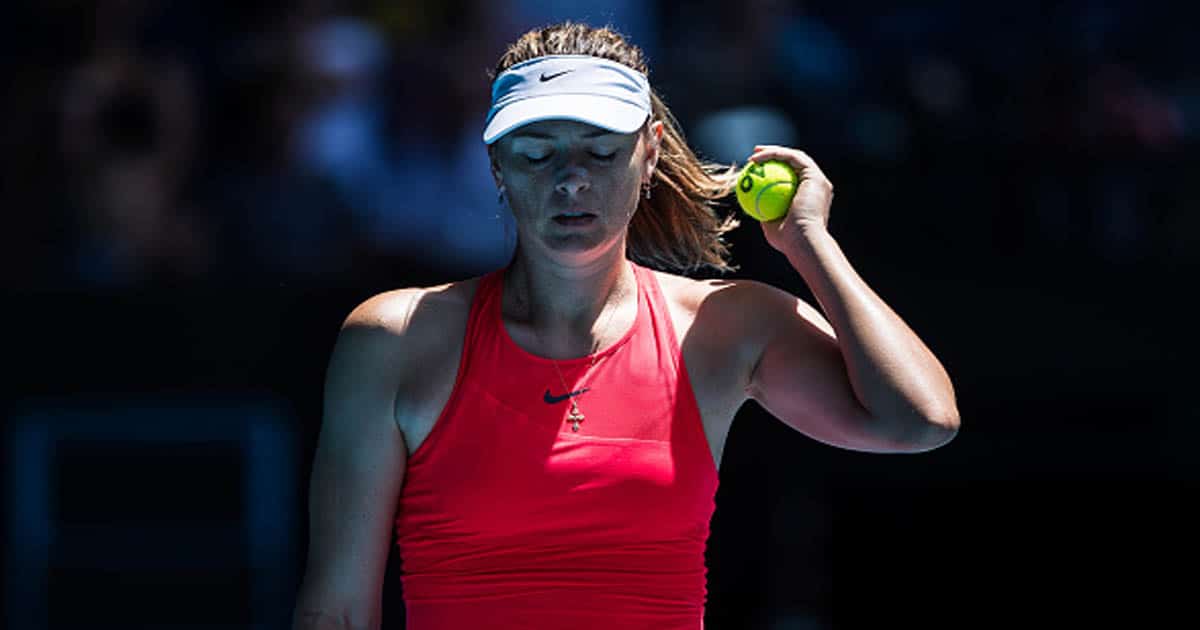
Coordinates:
[765,190]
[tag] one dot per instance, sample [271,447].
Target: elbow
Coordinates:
[942,434]
[936,430]
[918,434]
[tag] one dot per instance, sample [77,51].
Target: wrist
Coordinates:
[807,242]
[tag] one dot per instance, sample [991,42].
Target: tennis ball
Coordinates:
[765,190]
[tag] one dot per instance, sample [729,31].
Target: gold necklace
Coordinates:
[575,416]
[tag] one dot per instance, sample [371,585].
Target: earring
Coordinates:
[500,196]
[646,189]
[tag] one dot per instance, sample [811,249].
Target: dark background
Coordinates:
[195,196]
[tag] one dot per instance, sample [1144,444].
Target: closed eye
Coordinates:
[604,157]
[537,160]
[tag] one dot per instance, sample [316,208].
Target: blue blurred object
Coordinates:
[728,136]
[52,441]
[635,20]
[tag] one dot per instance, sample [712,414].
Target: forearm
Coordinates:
[894,374]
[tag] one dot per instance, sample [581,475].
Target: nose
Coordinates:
[573,181]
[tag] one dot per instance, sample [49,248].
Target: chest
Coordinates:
[712,373]
[503,471]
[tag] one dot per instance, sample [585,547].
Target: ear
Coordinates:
[653,144]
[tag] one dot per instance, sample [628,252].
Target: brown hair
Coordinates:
[678,228]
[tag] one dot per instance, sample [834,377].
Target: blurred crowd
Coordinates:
[324,143]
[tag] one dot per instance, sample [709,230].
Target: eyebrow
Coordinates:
[545,136]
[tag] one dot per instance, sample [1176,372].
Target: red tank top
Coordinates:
[508,519]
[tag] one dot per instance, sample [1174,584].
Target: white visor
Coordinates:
[588,89]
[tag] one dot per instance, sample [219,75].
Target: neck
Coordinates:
[570,311]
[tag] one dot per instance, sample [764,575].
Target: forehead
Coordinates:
[564,130]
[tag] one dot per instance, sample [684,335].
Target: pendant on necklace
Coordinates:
[575,417]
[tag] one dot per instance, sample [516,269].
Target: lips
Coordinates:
[573,218]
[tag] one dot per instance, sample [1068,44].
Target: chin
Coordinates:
[572,243]
[581,245]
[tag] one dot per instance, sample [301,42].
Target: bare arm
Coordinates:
[803,377]
[863,379]
[357,472]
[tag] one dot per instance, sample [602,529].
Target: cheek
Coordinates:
[517,187]
[525,196]
[518,201]
[630,182]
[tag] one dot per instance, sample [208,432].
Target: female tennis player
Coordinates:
[543,441]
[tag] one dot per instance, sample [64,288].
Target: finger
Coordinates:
[799,160]
[764,155]
[795,156]
[771,146]
[765,148]
[773,150]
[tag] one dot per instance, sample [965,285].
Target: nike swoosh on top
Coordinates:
[551,399]
[546,77]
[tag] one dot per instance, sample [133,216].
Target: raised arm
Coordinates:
[357,471]
[861,379]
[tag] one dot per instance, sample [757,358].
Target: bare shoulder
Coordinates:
[411,341]
[735,315]
[689,293]
[408,339]
[728,301]
[710,320]
[413,312]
